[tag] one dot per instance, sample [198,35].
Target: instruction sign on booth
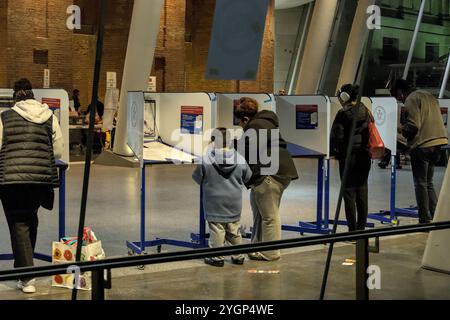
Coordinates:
[192,120]
[307,117]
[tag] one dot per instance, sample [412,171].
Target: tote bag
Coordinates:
[376,144]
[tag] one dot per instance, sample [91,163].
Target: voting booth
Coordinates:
[58,102]
[169,129]
[385,111]
[305,120]
[227,104]
[304,124]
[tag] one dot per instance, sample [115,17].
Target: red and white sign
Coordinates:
[52,103]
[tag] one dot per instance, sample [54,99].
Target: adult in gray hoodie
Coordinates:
[222,175]
[31,141]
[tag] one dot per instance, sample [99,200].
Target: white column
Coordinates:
[355,45]
[414,39]
[316,47]
[138,62]
[299,49]
[437,255]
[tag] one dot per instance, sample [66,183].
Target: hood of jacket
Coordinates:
[224,160]
[33,111]
[267,116]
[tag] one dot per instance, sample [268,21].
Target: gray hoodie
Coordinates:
[222,175]
[36,112]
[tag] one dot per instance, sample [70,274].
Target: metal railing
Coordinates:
[98,268]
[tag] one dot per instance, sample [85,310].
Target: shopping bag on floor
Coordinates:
[65,252]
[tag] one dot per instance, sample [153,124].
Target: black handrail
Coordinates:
[124,262]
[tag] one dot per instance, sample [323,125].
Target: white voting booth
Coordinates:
[181,124]
[227,103]
[445,107]
[305,121]
[304,124]
[385,112]
[165,129]
[58,102]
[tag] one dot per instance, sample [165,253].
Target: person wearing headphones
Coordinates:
[356,188]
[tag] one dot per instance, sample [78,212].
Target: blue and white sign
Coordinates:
[236,40]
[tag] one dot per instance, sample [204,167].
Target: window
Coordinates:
[431,52]
[40,56]
[390,49]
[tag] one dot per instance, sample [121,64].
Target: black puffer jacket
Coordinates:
[26,155]
[266,120]
[340,131]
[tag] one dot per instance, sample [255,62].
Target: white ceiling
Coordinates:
[286,4]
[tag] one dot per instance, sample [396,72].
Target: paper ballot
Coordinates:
[156,151]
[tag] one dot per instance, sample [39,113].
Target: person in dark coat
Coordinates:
[273,170]
[356,188]
[31,141]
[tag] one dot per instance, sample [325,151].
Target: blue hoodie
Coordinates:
[222,175]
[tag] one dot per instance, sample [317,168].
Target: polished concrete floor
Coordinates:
[173,204]
[299,275]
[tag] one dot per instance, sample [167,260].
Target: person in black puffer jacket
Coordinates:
[356,188]
[273,170]
[31,141]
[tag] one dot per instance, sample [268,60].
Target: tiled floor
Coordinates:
[173,205]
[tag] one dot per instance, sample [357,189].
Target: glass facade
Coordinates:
[391,44]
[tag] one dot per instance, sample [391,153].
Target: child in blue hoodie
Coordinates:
[222,174]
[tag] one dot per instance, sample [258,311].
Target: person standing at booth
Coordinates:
[222,175]
[266,190]
[401,140]
[426,134]
[31,141]
[356,188]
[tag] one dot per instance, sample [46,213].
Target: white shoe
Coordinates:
[26,287]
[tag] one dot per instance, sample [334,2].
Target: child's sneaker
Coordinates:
[238,261]
[214,263]
[26,286]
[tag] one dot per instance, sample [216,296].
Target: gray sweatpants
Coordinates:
[225,233]
[265,200]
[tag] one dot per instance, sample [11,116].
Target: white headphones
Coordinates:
[344,96]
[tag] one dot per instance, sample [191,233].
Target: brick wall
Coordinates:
[39,25]
[3,41]
[115,42]
[83,60]
[180,58]
[197,50]
[170,47]
[200,16]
